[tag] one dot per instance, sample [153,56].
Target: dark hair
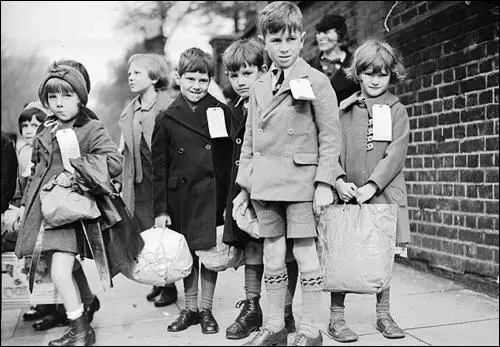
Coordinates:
[278,16]
[79,66]
[27,115]
[195,60]
[243,52]
[336,22]
[55,85]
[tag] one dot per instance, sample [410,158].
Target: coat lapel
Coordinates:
[181,108]
[300,70]
[126,123]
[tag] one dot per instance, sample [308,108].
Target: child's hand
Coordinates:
[241,200]
[19,220]
[323,196]
[366,192]
[346,190]
[163,220]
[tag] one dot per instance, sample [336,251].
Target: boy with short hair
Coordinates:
[244,62]
[191,155]
[288,165]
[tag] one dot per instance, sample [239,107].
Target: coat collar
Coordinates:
[44,134]
[81,118]
[179,109]
[263,86]
[385,99]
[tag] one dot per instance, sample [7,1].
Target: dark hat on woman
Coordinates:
[332,21]
[68,74]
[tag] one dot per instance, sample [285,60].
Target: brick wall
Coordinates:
[450,49]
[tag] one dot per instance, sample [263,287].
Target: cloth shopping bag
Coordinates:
[62,205]
[356,246]
[221,256]
[165,258]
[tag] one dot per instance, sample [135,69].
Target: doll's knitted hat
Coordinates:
[68,74]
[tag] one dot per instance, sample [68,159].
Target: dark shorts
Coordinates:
[284,218]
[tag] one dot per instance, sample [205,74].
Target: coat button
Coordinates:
[290,131]
[287,154]
[180,150]
[238,141]
[237,163]
[257,154]
[260,131]
[207,146]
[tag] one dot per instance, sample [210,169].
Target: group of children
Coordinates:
[284,149]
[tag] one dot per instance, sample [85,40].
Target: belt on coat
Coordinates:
[93,235]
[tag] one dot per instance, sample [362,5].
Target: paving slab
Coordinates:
[431,309]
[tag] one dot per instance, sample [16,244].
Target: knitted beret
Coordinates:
[68,74]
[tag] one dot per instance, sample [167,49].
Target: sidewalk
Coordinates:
[433,311]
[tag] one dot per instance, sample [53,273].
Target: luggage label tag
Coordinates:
[382,123]
[301,89]
[216,122]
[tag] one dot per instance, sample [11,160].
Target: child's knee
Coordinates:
[274,255]
[254,253]
[305,253]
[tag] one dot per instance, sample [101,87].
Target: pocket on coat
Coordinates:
[305,158]
[173,183]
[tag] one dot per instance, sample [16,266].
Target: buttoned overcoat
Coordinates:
[233,235]
[191,171]
[92,138]
[383,164]
[289,145]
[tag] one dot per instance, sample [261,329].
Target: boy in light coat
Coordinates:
[289,162]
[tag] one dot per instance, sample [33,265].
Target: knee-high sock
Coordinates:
[276,282]
[191,286]
[312,286]
[337,306]
[208,282]
[383,306]
[253,280]
[293,272]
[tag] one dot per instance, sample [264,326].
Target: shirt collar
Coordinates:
[274,69]
[240,100]
[143,107]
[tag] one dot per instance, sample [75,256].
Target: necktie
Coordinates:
[279,82]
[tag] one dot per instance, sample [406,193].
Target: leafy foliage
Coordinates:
[21,76]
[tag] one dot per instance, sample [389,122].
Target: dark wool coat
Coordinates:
[233,235]
[343,86]
[93,138]
[191,171]
[383,164]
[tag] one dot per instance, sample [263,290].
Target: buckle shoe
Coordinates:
[304,340]
[340,332]
[389,328]
[266,337]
